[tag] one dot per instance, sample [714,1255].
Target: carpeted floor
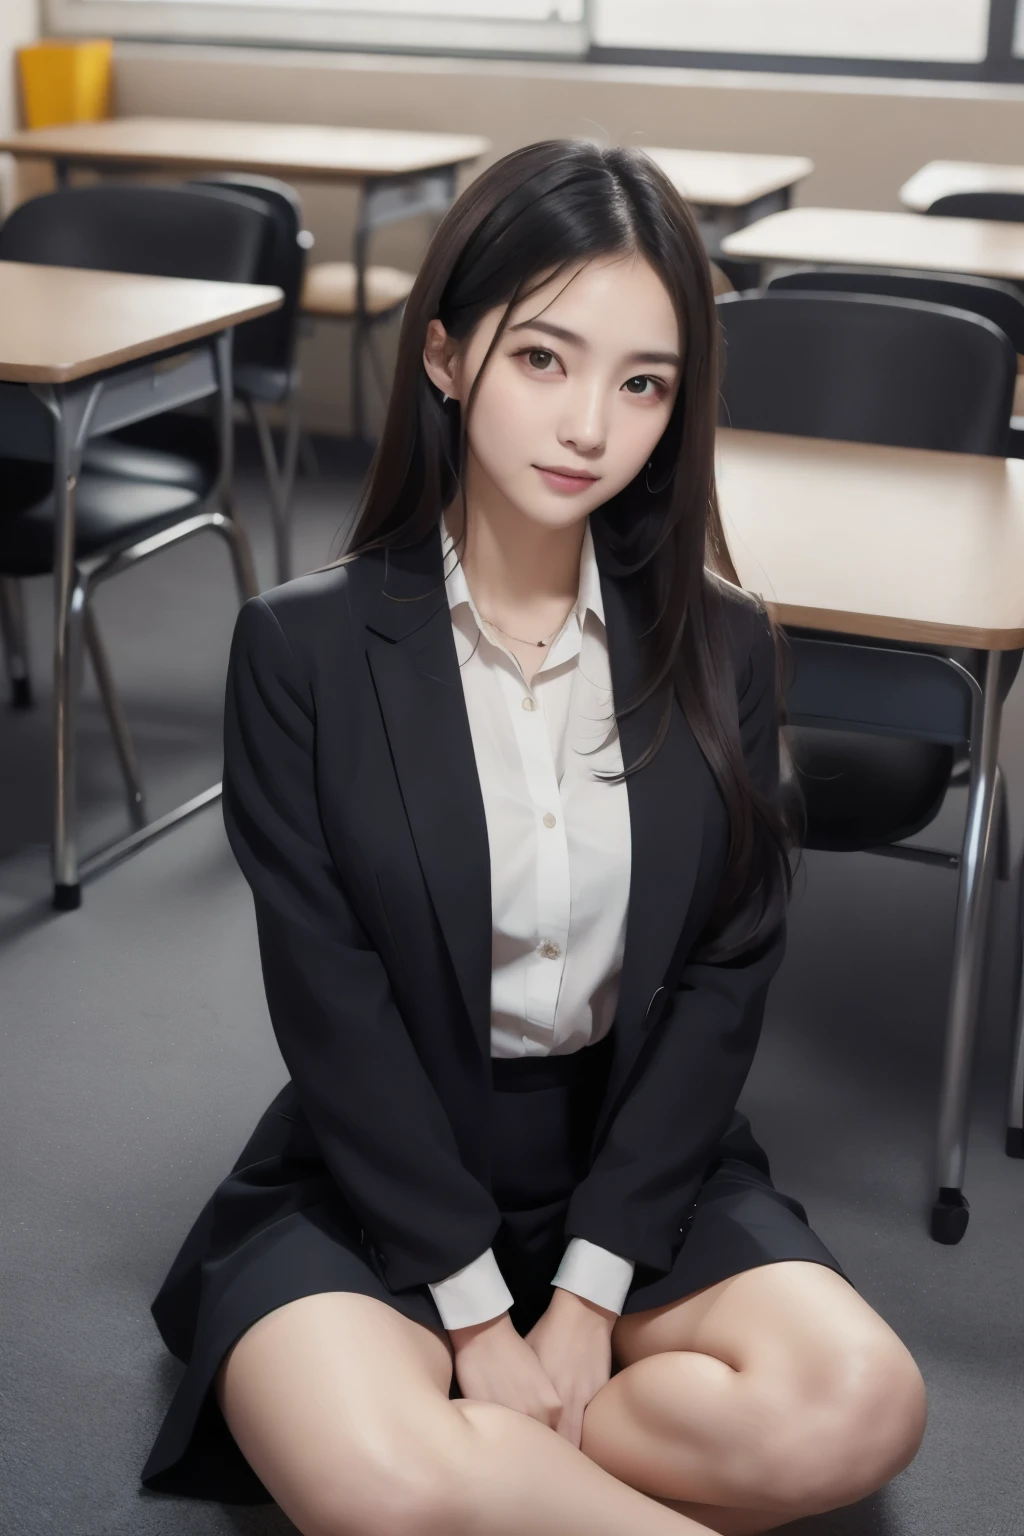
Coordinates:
[137,1054]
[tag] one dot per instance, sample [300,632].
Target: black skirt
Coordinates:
[274,1230]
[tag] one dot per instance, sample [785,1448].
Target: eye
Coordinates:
[638,385]
[539,358]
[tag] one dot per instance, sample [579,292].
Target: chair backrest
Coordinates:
[163,231]
[866,368]
[1002,303]
[1006,207]
[269,342]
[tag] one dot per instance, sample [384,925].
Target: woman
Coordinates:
[502,1256]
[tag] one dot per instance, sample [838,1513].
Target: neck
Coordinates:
[518,569]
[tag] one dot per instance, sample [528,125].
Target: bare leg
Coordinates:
[776,1394]
[340,1405]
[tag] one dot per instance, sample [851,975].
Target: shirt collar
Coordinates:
[589,598]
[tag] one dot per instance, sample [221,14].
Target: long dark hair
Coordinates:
[536,213]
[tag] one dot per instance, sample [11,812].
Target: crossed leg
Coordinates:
[340,1405]
[775,1394]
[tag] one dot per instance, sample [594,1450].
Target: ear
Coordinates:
[440,359]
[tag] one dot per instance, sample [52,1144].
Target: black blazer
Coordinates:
[353,806]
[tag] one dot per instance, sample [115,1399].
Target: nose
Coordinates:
[584,423]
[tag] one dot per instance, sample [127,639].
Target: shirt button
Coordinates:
[548,819]
[550,950]
[529,704]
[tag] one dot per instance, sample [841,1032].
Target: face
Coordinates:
[576,394]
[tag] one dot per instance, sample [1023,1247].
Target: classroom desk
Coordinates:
[807,517]
[99,350]
[866,238]
[731,190]
[940,178]
[399,175]
[905,545]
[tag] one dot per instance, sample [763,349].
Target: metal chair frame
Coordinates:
[925,693]
[77,412]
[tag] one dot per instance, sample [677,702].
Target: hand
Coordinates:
[494,1364]
[573,1342]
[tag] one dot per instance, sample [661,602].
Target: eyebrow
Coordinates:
[672,358]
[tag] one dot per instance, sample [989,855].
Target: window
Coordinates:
[473,26]
[947,30]
[939,39]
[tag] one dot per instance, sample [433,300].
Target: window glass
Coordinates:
[936,30]
[489,26]
[475,10]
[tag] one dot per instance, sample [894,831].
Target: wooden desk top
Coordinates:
[271,149]
[865,238]
[940,177]
[63,323]
[721,180]
[895,543]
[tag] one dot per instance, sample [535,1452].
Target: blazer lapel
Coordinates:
[412,657]
[666,822]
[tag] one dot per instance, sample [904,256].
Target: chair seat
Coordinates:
[329,290]
[175,448]
[112,459]
[111,513]
[864,791]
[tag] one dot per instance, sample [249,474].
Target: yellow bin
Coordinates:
[66,81]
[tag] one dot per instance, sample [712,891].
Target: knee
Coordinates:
[845,1430]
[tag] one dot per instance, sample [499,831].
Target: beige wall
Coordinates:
[865,137]
[19,23]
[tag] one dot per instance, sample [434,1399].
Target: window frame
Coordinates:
[551,40]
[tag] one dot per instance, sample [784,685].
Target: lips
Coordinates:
[566,480]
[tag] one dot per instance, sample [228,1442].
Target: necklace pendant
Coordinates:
[542,643]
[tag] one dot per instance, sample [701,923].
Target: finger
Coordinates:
[570,1427]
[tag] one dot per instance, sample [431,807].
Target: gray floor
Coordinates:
[137,1054]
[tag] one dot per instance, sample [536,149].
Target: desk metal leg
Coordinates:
[68,605]
[1015,1108]
[949,1215]
[387,200]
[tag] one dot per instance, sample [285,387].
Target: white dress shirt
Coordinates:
[559,842]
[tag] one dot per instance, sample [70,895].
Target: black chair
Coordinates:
[876,729]
[1004,207]
[866,368]
[264,367]
[174,448]
[264,361]
[120,519]
[1002,303]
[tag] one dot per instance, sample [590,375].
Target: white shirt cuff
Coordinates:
[595,1274]
[473,1294]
